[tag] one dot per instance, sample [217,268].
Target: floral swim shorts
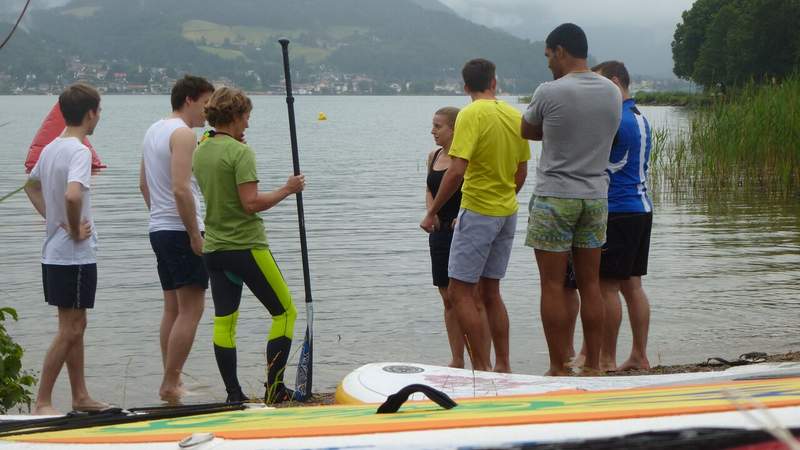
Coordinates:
[559,224]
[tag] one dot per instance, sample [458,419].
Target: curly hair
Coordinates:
[226,105]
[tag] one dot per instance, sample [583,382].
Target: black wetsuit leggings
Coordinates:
[256,268]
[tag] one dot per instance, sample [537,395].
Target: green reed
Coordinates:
[747,141]
[673,98]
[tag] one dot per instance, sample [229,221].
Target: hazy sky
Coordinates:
[15,6]
[636,31]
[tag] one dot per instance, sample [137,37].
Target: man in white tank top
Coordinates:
[176,226]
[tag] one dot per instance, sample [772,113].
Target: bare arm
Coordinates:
[182,145]
[254,201]
[428,198]
[521,175]
[77,228]
[531,132]
[33,188]
[450,184]
[143,185]
[428,195]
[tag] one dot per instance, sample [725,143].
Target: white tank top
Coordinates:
[157,168]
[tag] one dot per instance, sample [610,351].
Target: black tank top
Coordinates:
[450,209]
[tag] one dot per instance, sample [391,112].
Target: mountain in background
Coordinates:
[376,45]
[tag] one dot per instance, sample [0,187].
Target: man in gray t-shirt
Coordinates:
[576,117]
[579,114]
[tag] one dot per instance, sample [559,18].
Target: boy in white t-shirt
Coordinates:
[58,187]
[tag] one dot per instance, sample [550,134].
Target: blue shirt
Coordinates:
[628,163]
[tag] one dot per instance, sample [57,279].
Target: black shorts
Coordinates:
[439,242]
[178,266]
[627,245]
[70,286]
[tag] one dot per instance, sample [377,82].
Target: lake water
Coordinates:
[723,276]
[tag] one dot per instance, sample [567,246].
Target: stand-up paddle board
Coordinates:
[372,383]
[496,421]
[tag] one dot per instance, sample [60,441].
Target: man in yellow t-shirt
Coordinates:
[491,158]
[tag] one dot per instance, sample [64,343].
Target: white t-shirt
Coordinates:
[63,161]
[158,174]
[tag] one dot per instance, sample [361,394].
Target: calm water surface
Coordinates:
[723,275]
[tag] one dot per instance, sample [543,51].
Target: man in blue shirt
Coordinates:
[630,218]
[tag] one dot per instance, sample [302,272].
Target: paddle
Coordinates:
[305,365]
[12,193]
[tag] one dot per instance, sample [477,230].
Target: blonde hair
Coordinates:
[226,105]
[450,113]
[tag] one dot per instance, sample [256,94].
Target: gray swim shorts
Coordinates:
[481,246]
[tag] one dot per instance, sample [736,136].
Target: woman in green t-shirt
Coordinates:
[235,249]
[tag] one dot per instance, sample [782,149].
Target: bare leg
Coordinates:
[573,308]
[613,317]
[81,400]
[587,273]
[468,310]
[487,345]
[554,311]
[191,301]
[71,325]
[454,334]
[639,314]
[167,321]
[497,317]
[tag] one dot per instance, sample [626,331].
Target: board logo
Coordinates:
[403,369]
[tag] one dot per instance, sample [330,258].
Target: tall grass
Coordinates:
[673,99]
[749,141]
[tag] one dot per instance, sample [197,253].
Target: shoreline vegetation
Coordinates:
[746,141]
[661,98]
[674,98]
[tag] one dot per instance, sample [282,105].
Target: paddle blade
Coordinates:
[304,370]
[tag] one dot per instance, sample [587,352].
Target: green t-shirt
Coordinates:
[220,165]
[487,135]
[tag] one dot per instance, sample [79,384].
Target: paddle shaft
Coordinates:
[12,193]
[305,366]
[296,164]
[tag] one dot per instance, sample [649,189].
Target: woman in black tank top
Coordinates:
[439,241]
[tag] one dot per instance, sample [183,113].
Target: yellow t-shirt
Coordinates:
[487,135]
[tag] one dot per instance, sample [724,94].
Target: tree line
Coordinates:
[723,43]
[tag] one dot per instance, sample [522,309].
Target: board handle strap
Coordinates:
[395,401]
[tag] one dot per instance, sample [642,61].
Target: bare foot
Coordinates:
[577,361]
[456,364]
[46,410]
[608,366]
[590,372]
[564,372]
[634,363]
[502,368]
[172,395]
[89,405]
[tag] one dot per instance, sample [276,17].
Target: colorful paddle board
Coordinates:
[372,383]
[549,417]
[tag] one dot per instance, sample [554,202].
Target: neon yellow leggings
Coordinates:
[256,268]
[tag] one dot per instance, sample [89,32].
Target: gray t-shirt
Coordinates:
[579,113]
